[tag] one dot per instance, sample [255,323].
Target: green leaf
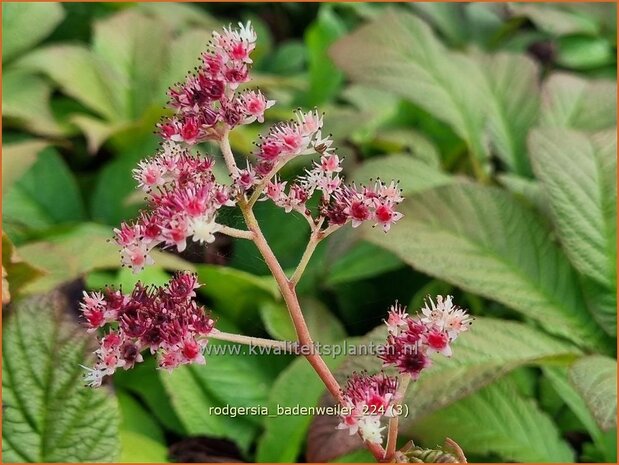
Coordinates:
[514,106]
[398,52]
[556,19]
[363,260]
[322,324]
[572,102]
[80,75]
[26,24]
[179,16]
[48,414]
[141,436]
[414,175]
[184,55]
[145,381]
[235,293]
[26,102]
[18,158]
[558,377]
[284,435]
[15,272]
[49,186]
[578,175]
[595,378]
[497,420]
[135,50]
[136,419]
[235,379]
[324,78]
[584,52]
[137,448]
[484,241]
[57,256]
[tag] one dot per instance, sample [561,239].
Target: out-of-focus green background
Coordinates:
[499,120]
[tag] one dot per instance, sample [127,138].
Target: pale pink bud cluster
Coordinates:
[412,340]
[339,203]
[367,399]
[166,320]
[206,101]
[183,201]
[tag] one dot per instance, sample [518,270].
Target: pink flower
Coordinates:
[386,215]
[254,104]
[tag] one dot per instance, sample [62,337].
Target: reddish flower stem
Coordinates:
[287,289]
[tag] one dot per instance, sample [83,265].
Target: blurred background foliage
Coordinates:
[498,119]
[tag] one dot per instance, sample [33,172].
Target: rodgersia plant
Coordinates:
[184,200]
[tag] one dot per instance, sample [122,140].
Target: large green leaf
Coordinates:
[135,49]
[80,75]
[595,378]
[558,377]
[25,102]
[48,413]
[513,106]
[484,241]
[573,102]
[26,24]
[579,178]
[398,52]
[48,191]
[497,419]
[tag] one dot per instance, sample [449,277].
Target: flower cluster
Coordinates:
[207,97]
[339,202]
[412,340]
[367,399]
[183,201]
[165,320]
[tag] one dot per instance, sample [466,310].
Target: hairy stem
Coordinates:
[307,254]
[233,232]
[392,434]
[292,302]
[287,289]
[226,151]
[286,346]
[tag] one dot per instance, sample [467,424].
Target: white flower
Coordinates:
[370,429]
[204,229]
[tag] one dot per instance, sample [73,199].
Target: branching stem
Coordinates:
[287,287]
[233,232]
[286,346]
[392,434]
